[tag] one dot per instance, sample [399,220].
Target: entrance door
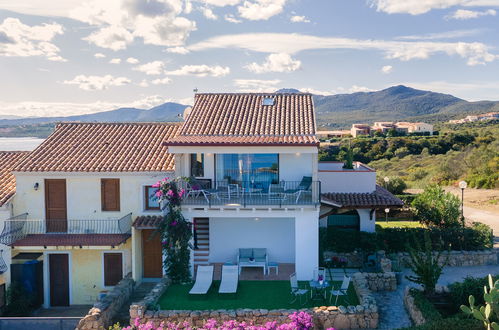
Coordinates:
[59,279]
[55,206]
[152,254]
[113,268]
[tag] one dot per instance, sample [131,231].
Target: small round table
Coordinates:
[318,290]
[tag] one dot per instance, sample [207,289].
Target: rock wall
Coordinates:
[377,281]
[363,316]
[414,312]
[100,316]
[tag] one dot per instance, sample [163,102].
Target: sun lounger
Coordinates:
[204,279]
[230,279]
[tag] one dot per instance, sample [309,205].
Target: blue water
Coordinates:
[19,143]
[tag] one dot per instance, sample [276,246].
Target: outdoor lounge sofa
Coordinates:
[230,279]
[253,257]
[204,279]
[301,189]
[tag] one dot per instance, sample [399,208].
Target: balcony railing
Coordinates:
[20,226]
[248,194]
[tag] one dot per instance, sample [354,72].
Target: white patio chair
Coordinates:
[342,291]
[204,279]
[296,291]
[230,279]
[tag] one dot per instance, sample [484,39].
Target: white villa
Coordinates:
[83,200]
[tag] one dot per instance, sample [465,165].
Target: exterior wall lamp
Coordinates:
[36,186]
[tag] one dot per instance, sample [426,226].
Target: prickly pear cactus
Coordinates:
[483,313]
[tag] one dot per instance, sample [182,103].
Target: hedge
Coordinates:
[460,291]
[476,237]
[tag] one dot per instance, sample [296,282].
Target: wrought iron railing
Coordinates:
[19,227]
[253,193]
[3,265]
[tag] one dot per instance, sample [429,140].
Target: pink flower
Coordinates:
[157,184]
[158,193]
[170,193]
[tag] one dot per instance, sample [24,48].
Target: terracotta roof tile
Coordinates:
[380,197]
[72,240]
[103,147]
[147,222]
[242,119]
[8,160]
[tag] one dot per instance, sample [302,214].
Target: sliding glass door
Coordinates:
[261,169]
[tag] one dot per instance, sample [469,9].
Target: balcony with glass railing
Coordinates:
[72,231]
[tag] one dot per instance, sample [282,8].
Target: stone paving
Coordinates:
[391,306]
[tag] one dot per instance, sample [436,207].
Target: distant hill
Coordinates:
[397,103]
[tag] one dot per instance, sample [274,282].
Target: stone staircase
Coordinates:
[202,253]
[123,316]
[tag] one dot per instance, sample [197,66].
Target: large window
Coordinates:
[254,168]
[197,165]
[150,200]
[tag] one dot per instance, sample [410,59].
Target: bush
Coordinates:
[435,207]
[430,313]
[395,185]
[475,237]
[460,291]
[406,198]
[449,323]
[19,302]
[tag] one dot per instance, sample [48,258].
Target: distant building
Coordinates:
[407,127]
[360,130]
[383,126]
[473,118]
[332,134]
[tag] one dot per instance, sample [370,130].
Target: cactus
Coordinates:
[484,313]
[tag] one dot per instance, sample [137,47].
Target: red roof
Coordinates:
[72,240]
[243,119]
[379,198]
[8,160]
[147,222]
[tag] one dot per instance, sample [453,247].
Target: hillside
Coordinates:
[397,103]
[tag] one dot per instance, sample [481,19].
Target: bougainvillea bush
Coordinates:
[299,321]
[175,231]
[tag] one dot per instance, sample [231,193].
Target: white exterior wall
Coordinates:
[277,235]
[307,244]
[293,167]
[5,213]
[83,193]
[366,223]
[334,178]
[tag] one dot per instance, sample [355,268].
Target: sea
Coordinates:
[19,143]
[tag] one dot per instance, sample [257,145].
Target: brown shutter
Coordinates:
[110,194]
[113,268]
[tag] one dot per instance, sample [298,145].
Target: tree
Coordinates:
[435,207]
[395,185]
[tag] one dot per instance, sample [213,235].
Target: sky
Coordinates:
[65,57]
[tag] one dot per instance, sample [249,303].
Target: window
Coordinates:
[268,101]
[110,194]
[150,200]
[261,169]
[197,165]
[2,296]
[113,268]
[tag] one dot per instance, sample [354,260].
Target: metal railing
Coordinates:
[244,194]
[3,265]
[19,227]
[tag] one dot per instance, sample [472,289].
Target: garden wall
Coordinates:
[455,258]
[413,310]
[100,316]
[363,316]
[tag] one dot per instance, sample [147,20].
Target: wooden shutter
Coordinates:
[113,268]
[110,194]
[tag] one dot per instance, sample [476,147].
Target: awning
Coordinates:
[72,240]
[147,222]
[379,198]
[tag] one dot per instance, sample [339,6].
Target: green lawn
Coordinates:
[251,294]
[399,224]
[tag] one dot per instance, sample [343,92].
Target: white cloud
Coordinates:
[464,14]
[18,39]
[132,60]
[299,19]
[387,69]
[275,63]
[177,50]
[260,9]
[474,53]
[471,91]
[151,68]
[115,61]
[143,83]
[221,3]
[93,83]
[163,81]
[352,89]
[99,55]
[417,7]
[201,71]
[119,22]
[443,35]
[232,19]
[256,85]
[112,37]
[208,13]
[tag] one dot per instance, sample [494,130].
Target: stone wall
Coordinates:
[377,281]
[364,316]
[455,258]
[100,316]
[413,311]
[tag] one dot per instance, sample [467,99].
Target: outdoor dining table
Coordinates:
[318,290]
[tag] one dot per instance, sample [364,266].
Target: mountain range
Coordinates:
[397,103]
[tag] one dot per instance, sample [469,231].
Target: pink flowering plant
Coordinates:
[298,321]
[175,231]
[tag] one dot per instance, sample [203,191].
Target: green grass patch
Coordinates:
[251,294]
[399,224]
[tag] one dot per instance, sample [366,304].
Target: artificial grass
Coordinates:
[250,294]
[399,224]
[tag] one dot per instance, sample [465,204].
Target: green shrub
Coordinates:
[435,207]
[406,198]
[460,291]
[19,302]
[395,185]
[452,323]
[429,312]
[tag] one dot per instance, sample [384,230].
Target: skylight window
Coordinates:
[268,101]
